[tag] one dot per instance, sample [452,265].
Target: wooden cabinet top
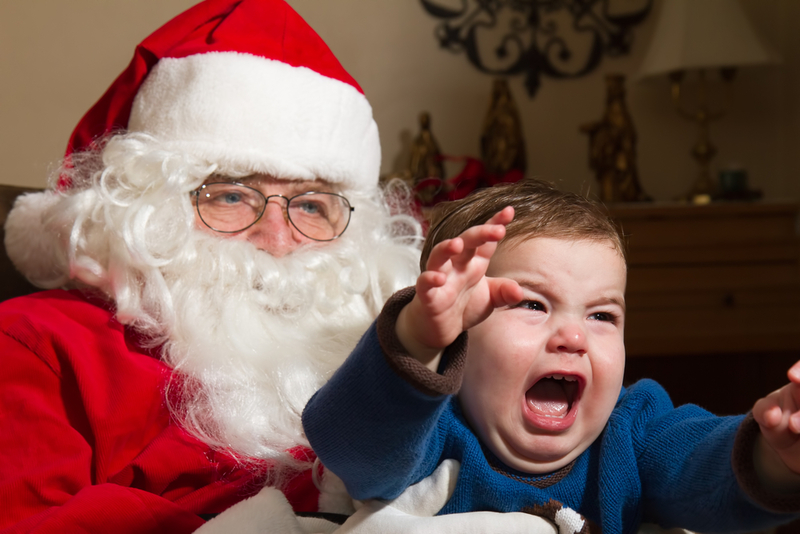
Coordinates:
[675,210]
[724,230]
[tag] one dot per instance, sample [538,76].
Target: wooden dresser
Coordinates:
[713,298]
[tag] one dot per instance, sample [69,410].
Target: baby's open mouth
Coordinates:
[553,395]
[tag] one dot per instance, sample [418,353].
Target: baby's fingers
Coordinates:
[429,280]
[504,292]
[492,231]
[777,414]
[504,216]
[789,399]
[444,252]
[792,402]
[767,415]
[794,373]
[477,236]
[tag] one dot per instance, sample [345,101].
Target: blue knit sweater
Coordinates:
[381,425]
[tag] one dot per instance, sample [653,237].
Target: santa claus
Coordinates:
[221,243]
[214,245]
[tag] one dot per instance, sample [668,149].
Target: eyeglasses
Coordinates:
[228,207]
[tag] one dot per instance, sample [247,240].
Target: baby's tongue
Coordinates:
[548,397]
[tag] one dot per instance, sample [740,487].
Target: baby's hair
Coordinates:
[540,210]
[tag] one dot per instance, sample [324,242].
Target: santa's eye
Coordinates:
[230,198]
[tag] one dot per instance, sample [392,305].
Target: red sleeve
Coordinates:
[87,443]
[47,464]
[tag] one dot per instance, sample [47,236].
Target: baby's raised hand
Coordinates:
[453,294]
[778,416]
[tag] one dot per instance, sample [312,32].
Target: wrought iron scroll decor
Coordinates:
[558,38]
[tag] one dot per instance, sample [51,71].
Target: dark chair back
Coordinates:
[12,283]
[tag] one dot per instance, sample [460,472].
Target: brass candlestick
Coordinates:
[704,187]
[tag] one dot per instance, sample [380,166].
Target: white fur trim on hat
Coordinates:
[246,112]
[36,251]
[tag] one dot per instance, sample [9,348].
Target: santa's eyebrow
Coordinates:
[214,178]
[319,186]
[294,187]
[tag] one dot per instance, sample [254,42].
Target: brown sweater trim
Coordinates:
[407,367]
[537,481]
[744,469]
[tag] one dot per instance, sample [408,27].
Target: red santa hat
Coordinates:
[245,84]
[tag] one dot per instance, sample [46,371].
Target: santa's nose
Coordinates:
[273,233]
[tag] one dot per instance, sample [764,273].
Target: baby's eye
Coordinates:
[531,305]
[604,316]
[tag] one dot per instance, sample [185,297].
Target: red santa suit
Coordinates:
[103,454]
[89,441]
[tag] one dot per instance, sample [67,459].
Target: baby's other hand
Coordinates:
[453,293]
[778,416]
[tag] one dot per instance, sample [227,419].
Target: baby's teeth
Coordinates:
[562,377]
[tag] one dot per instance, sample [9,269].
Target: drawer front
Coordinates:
[699,277]
[722,320]
[721,225]
[665,233]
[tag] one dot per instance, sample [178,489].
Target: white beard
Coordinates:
[250,337]
[255,336]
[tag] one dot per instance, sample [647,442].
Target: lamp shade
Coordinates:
[699,34]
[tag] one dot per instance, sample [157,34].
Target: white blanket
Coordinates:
[413,512]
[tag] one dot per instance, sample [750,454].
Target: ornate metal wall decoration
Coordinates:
[558,38]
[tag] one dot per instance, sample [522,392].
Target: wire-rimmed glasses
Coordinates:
[230,207]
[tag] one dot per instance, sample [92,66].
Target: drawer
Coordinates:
[785,251]
[680,330]
[713,309]
[719,276]
[715,300]
[659,226]
[695,231]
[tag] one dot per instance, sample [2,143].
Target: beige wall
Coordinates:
[58,57]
